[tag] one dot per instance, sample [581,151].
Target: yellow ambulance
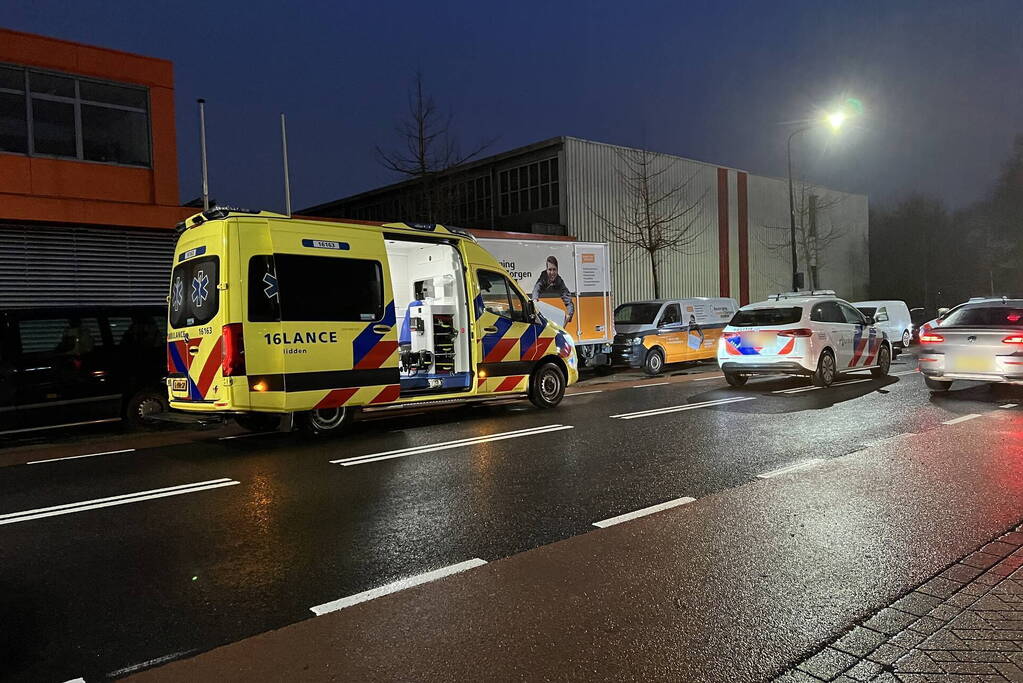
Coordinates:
[270,315]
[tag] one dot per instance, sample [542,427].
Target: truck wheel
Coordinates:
[884,362]
[258,422]
[654,362]
[734,379]
[141,405]
[825,373]
[547,386]
[938,386]
[326,420]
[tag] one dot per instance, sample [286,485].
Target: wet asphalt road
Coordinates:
[98,592]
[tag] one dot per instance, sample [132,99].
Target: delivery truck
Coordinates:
[568,281]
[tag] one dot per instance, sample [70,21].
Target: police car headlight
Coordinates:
[637,340]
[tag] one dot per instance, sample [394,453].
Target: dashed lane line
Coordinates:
[799,390]
[790,468]
[1009,405]
[642,513]
[244,436]
[678,409]
[583,393]
[81,506]
[704,379]
[416,450]
[906,372]
[417,580]
[654,384]
[148,664]
[962,418]
[76,457]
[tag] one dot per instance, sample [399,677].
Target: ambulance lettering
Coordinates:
[287,338]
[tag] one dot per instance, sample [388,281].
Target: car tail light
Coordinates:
[801,332]
[931,338]
[1013,339]
[233,350]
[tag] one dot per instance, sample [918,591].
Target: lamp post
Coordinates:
[835,120]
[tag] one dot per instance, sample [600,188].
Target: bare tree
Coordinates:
[426,149]
[655,216]
[816,233]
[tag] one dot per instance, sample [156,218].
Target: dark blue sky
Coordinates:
[941,83]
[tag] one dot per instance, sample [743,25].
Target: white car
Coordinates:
[815,336]
[891,316]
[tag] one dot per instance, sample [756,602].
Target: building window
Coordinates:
[55,115]
[472,200]
[529,188]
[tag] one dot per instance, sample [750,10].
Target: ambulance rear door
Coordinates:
[338,339]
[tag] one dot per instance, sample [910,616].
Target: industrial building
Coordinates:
[88,174]
[738,236]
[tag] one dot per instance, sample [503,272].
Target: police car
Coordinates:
[813,334]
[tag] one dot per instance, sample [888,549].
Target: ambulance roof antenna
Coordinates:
[202,148]
[287,181]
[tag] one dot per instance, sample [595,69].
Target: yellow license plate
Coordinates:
[179,384]
[972,364]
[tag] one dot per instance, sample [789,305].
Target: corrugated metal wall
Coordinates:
[56,266]
[592,186]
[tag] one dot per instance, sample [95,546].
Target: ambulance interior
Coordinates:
[432,316]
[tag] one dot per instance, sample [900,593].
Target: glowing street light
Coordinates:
[835,120]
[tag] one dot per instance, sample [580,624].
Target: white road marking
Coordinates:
[81,506]
[1009,405]
[643,386]
[963,418]
[243,436]
[145,665]
[396,586]
[677,409]
[87,455]
[645,511]
[790,468]
[798,390]
[907,372]
[416,450]
[583,393]
[75,680]
[704,379]
[61,426]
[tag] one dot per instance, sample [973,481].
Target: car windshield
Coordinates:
[636,314]
[985,316]
[867,310]
[758,317]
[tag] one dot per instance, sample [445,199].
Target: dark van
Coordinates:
[70,366]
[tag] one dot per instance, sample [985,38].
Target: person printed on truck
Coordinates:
[697,332]
[551,284]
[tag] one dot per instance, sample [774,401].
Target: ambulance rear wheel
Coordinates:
[258,422]
[547,386]
[326,420]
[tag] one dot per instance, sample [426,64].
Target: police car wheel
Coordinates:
[654,362]
[258,422]
[734,379]
[937,385]
[326,420]
[884,362]
[826,370]
[547,386]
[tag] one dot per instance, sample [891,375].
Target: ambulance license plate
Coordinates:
[179,384]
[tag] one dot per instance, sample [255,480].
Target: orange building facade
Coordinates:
[88,166]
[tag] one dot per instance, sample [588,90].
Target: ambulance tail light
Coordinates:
[801,332]
[233,350]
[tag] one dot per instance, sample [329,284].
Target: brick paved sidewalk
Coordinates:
[963,625]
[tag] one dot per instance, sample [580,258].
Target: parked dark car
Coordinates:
[79,365]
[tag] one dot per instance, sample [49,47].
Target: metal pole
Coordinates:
[287,181]
[792,214]
[202,147]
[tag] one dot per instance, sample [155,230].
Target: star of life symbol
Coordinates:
[179,294]
[271,285]
[200,289]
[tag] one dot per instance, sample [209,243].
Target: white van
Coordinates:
[892,317]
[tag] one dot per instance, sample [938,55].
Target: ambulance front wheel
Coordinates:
[326,420]
[547,386]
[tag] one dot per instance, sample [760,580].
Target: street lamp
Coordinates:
[834,120]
